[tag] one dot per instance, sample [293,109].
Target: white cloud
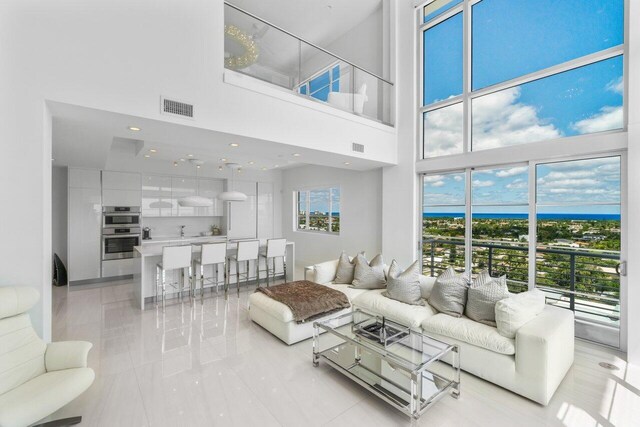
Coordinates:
[505,173]
[433,178]
[616,85]
[458,178]
[500,120]
[479,184]
[517,184]
[437,184]
[443,131]
[607,118]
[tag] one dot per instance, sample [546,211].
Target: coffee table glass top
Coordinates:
[410,349]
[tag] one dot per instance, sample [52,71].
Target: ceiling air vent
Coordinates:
[176,108]
[358,148]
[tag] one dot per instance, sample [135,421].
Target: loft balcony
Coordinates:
[262,50]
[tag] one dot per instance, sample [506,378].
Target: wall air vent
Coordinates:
[176,108]
[358,148]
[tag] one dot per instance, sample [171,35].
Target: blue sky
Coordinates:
[513,38]
[581,186]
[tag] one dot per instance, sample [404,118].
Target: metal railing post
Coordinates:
[490,260]
[572,283]
[433,249]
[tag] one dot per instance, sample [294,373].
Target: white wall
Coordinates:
[633,239]
[170,226]
[59,212]
[399,183]
[360,206]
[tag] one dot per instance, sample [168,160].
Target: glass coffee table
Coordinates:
[401,366]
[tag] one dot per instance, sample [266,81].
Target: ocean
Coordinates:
[549,216]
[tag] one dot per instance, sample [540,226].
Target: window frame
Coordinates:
[307,83]
[308,191]
[468,95]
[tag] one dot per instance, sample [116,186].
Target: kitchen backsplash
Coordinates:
[170,226]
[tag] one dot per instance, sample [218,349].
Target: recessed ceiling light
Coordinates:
[223,159]
[347,163]
[135,129]
[276,166]
[175,163]
[189,155]
[153,150]
[147,156]
[264,169]
[182,160]
[233,144]
[219,168]
[53,160]
[296,154]
[198,166]
[251,162]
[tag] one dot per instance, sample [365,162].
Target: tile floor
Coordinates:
[207,364]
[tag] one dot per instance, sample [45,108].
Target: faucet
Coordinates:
[182,230]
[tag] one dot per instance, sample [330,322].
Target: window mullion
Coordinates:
[308,208]
[468,232]
[466,77]
[330,210]
[533,224]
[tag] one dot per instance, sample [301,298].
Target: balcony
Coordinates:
[584,281]
[257,48]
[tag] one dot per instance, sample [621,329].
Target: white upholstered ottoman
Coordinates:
[277,318]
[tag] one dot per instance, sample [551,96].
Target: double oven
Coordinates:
[120,231]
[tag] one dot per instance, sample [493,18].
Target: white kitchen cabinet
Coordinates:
[156,196]
[265,210]
[120,180]
[183,187]
[84,228]
[242,216]
[84,178]
[121,189]
[118,267]
[210,188]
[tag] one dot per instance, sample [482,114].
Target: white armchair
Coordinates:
[36,379]
[343,100]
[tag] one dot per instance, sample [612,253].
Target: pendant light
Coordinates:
[232,196]
[195,201]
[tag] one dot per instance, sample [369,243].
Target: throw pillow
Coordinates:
[449,293]
[369,275]
[404,286]
[346,269]
[484,293]
[514,312]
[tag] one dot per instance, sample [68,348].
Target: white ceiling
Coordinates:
[318,21]
[84,137]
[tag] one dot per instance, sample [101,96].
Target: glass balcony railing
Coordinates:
[267,52]
[584,281]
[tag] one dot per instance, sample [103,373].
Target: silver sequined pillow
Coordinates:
[346,269]
[449,293]
[484,293]
[404,286]
[369,275]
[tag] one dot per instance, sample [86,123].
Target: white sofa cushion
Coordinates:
[349,291]
[426,285]
[469,331]
[325,272]
[514,312]
[409,315]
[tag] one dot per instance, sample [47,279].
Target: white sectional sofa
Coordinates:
[532,364]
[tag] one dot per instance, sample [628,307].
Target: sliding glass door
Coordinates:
[555,225]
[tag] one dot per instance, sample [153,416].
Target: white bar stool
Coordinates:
[247,251]
[212,254]
[173,258]
[276,248]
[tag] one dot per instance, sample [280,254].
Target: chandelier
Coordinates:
[251,51]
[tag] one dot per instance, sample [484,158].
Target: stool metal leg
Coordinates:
[266,264]
[217,280]
[202,280]
[164,287]
[258,272]
[156,282]
[284,267]
[238,276]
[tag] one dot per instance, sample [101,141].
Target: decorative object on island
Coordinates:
[195,201]
[232,196]
[215,230]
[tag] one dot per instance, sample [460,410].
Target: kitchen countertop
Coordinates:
[177,239]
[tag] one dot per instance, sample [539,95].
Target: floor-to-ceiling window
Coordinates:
[505,87]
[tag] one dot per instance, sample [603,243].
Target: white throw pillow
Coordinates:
[514,312]
[326,271]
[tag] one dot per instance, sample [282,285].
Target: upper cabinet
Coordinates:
[160,195]
[121,189]
[242,216]
[156,196]
[265,210]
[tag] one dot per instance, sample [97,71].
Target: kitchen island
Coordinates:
[148,255]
